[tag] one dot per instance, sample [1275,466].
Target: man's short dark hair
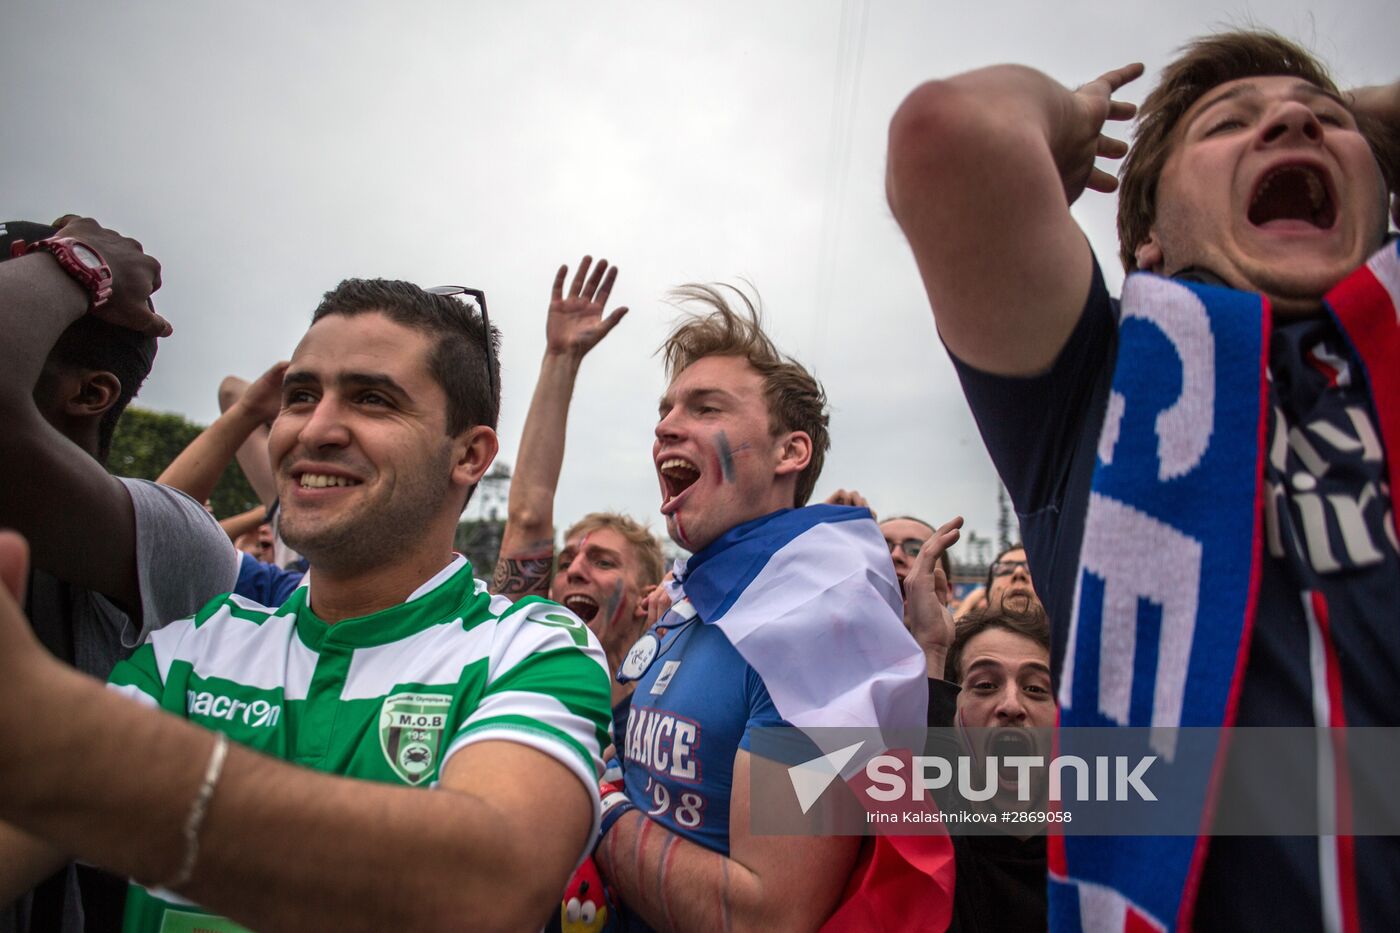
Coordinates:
[458,359]
[1028,623]
[1205,63]
[93,345]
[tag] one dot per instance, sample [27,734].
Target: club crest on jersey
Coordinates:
[410,732]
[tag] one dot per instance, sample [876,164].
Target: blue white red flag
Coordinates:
[809,599]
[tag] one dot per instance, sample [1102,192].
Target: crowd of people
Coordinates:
[317,715]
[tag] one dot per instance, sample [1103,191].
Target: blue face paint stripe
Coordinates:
[726,457]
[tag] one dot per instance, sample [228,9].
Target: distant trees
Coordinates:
[146,441]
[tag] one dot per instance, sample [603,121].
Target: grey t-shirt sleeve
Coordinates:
[183,557]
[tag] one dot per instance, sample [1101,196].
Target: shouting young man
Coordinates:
[782,615]
[273,765]
[1205,468]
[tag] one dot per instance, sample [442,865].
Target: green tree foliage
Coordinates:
[480,540]
[146,441]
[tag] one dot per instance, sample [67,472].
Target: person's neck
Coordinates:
[340,593]
[1286,309]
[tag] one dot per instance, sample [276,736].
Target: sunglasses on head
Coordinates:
[476,298]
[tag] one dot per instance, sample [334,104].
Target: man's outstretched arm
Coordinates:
[983,168]
[196,469]
[768,883]
[574,325]
[78,518]
[252,453]
[93,773]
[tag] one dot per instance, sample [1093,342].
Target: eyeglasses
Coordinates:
[910,546]
[1005,568]
[478,297]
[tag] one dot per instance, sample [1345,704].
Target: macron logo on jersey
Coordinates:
[256,714]
[663,743]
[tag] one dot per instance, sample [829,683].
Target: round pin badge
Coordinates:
[640,657]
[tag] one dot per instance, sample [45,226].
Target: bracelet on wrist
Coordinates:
[615,805]
[199,808]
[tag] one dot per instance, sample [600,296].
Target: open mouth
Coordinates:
[677,475]
[324,480]
[1293,193]
[1008,741]
[585,607]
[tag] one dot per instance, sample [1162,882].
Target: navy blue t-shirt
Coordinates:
[264,583]
[1327,528]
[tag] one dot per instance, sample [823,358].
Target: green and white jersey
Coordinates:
[387,697]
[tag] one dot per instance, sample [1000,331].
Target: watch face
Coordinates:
[86,256]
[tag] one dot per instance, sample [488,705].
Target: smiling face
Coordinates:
[1270,186]
[718,463]
[366,472]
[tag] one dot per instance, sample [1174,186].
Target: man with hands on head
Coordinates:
[609,562]
[1221,443]
[392,746]
[113,558]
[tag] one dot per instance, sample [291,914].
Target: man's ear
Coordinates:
[1149,254]
[472,453]
[92,395]
[796,453]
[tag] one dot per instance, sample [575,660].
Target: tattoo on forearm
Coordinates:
[523,574]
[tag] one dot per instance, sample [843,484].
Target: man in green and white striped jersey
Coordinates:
[391,672]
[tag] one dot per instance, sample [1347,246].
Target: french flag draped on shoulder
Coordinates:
[809,599]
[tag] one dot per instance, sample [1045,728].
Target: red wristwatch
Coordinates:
[79,260]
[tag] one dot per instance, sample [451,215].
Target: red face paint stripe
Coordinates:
[724,911]
[668,850]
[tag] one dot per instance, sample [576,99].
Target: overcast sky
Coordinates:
[264,151]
